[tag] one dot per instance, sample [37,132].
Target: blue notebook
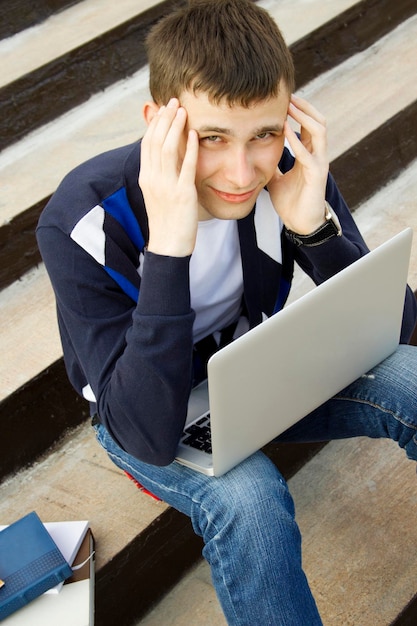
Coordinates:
[30,563]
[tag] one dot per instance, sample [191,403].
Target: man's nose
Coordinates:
[240,170]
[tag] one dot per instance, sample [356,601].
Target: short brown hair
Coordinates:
[231,50]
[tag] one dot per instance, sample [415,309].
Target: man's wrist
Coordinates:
[330,228]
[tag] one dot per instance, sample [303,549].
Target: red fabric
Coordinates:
[142,488]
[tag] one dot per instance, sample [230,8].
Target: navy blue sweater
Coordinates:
[124,313]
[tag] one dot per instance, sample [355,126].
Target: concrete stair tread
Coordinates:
[63,32]
[31,338]
[84,21]
[78,481]
[310,15]
[356,506]
[113,118]
[360,94]
[108,120]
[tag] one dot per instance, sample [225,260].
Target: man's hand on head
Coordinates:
[167,180]
[299,194]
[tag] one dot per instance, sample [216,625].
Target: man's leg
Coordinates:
[252,543]
[382,403]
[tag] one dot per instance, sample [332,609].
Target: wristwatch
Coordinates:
[330,228]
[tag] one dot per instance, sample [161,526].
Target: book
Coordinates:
[73,606]
[30,563]
[68,536]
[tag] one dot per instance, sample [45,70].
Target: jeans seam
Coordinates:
[380,408]
[220,559]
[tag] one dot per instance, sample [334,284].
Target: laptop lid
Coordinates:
[278,372]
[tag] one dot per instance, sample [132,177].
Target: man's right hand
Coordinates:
[167,180]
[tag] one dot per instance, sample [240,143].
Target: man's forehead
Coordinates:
[206,115]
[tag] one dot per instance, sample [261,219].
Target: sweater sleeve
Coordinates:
[137,358]
[323,261]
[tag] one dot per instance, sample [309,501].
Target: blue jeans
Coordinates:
[246,517]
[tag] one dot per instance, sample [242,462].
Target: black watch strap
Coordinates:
[331,228]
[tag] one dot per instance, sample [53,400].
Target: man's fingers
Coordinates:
[161,125]
[300,149]
[173,138]
[164,141]
[313,134]
[189,164]
[306,110]
[294,141]
[313,124]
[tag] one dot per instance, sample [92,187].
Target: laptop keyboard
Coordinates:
[198,435]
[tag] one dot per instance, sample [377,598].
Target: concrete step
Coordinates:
[23,14]
[62,33]
[144,547]
[91,46]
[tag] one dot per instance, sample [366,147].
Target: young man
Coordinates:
[146,274]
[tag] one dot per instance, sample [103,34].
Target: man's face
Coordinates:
[239,151]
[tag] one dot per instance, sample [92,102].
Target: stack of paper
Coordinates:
[68,536]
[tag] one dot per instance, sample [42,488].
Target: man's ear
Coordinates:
[150,109]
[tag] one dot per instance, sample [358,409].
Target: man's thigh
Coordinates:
[188,490]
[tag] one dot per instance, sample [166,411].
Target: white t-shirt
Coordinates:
[216,277]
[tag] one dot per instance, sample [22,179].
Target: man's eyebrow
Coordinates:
[269,128]
[274,128]
[214,130]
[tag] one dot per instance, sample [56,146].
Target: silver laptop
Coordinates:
[275,374]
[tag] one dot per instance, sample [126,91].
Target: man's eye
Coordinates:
[263,135]
[211,139]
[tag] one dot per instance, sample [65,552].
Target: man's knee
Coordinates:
[254,490]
